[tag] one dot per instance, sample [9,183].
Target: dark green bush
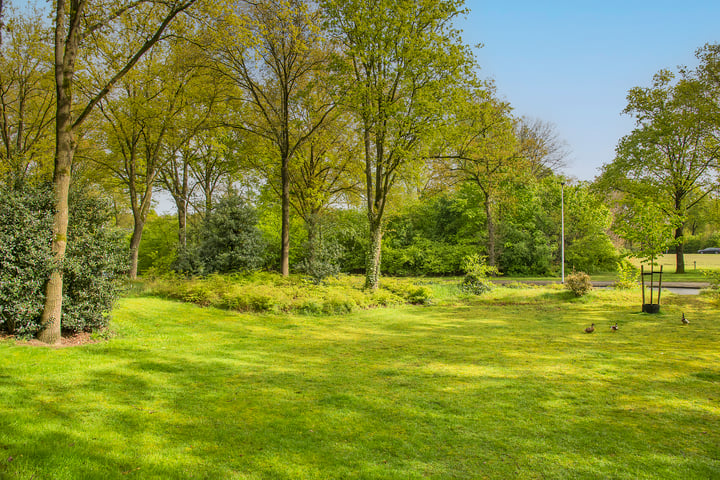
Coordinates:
[25,258]
[475,284]
[323,256]
[96,258]
[95,266]
[227,241]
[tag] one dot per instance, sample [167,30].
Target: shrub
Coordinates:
[579,283]
[25,259]
[476,281]
[475,285]
[415,294]
[323,259]
[627,274]
[229,241]
[95,266]
[95,260]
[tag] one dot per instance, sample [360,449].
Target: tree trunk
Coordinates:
[372,264]
[65,54]
[50,320]
[311,224]
[285,234]
[181,205]
[491,232]
[135,246]
[679,252]
[208,200]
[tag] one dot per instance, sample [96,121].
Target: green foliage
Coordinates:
[424,257]
[25,259]
[227,241]
[528,229]
[713,277]
[647,227]
[592,254]
[159,245]
[96,259]
[412,293]
[627,274]
[323,254]
[579,283]
[95,265]
[525,251]
[264,292]
[475,281]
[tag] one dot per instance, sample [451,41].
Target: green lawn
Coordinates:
[507,386]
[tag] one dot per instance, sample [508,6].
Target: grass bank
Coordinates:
[505,386]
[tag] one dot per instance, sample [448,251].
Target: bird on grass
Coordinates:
[614,327]
[590,329]
[684,320]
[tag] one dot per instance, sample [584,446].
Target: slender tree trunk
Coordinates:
[492,260]
[679,252]
[208,203]
[140,217]
[181,205]
[135,247]
[65,54]
[285,233]
[179,188]
[372,264]
[373,255]
[311,224]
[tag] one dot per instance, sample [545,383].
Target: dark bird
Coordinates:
[590,329]
[614,327]
[685,321]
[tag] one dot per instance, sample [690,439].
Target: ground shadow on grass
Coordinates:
[403,393]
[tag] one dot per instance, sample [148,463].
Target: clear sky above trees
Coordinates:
[572,63]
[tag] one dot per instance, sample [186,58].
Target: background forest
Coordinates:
[310,137]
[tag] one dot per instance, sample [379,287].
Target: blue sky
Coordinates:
[572,63]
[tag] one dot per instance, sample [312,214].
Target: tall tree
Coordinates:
[147,126]
[403,58]
[325,171]
[672,154]
[77,24]
[283,60]
[542,147]
[481,147]
[26,96]
[218,159]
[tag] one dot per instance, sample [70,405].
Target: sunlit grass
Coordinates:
[501,386]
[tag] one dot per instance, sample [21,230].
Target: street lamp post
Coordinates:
[562,230]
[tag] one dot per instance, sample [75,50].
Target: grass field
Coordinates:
[693,262]
[507,386]
[695,266]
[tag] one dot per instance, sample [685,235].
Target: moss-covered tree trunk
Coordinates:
[372,265]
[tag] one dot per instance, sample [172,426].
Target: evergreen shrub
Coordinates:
[96,259]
